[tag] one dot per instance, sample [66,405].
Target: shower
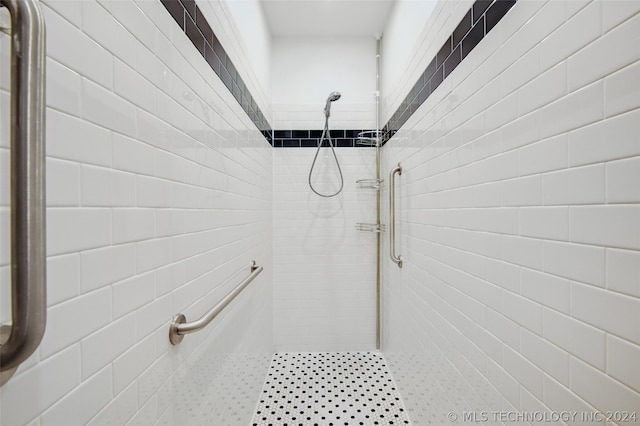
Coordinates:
[334,96]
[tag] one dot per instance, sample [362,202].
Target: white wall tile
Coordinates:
[621,90]
[577,262]
[83,402]
[600,390]
[545,356]
[70,230]
[103,346]
[578,338]
[133,156]
[545,289]
[607,54]
[528,375]
[621,361]
[99,24]
[53,378]
[63,278]
[547,155]
[133,225]
[63,183]
[76,140]
[106,265]
[593,144]
[106,109]
[623,271]
[133,362]
[523,311]
[132,293]
[579,185]
[609,226]
[107,188]
[551,223]
[597,307]
[621,176]
[63,88]
[543,90]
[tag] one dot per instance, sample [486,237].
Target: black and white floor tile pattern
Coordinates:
[329,389]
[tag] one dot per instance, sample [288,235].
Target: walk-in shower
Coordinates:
[334,96]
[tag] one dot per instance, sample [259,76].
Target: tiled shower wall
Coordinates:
[519,218]
[324,270]
[159,195]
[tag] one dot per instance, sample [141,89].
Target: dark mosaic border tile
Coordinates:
[310,138]
[191,20]
[476,24]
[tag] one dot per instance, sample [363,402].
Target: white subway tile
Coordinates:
[544,156]
[527,374]
[152,379]
[503,328]
[66,41]
[621,178]
[543,90]
[128,366]
[580,30]
[63,88]
[53,378]
[522,191]
[107,109]
[154,131]
[560,398]
[152,192]
[611,226]
[575,261]
[609,53]
[600,390]
[578,185]
[614,12]
[152,254]
[133,225]
[106,344]
[63,278]
[550,223]
[108,188]
[106,265]
[100,25]
[133,156]
[70,321]
[71,10]
[147,414]
[133,87]
[523,311]
[70,230]
[504,274]
[522,251]
[80,405]
[576,337]
[546,356]
[612,312]
[622,362]
[522,131]
[545,289]
[503,220]
[622,90]
[73,139]
[623,271]
[121,408]
[130,294]
[63,183]
[610,139]
[578,109]
[153,315]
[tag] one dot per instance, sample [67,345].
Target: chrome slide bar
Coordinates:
[392,215]
[179,325]
[28,205]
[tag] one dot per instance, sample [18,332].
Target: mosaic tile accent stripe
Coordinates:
[329,388]
[190,19]
[309,138]
[476,24]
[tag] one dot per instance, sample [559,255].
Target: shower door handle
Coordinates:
[392,215]
[28,206]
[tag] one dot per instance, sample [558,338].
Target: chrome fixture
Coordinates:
[334,96]
[28,215]
[179,325]
[392,215]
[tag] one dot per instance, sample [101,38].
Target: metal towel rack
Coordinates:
[28,215]
[180,326]
[392,215]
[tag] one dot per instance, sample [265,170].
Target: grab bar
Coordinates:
[180,326]
[392,215]
[28,219]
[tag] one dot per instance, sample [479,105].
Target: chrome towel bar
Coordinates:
[392,215]
[28,205]
[180,326]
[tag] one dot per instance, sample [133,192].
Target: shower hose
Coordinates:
[326,133]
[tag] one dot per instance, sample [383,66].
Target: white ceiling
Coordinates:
[298,18]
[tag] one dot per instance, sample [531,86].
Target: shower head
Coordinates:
[334,96]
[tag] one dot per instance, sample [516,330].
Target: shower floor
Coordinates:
[327,389]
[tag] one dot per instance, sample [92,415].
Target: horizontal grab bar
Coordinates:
[180,326]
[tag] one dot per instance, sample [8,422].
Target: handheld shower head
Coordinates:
[334,96]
